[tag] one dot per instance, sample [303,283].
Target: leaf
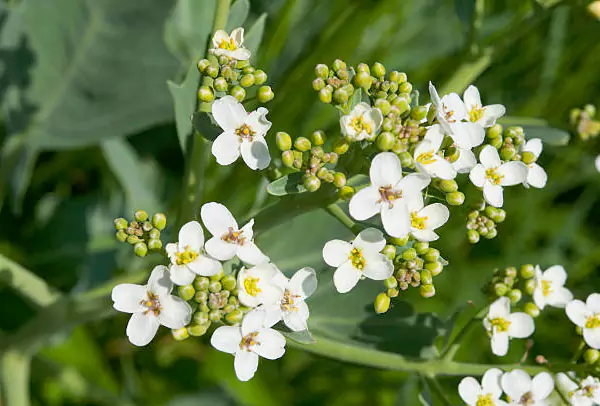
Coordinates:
[549,135]
[301,337]
[286,185]
[467,73]
[26,283]
[16,167]
[185,101]
[15,370]
[356,98]
[465,10]
[204,124]
[255,34]
[237,14]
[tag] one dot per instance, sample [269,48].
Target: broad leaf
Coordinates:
[237,14]
[548,135]
[254,36]
[185,101]
[286,185]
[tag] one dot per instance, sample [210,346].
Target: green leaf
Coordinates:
[464,11]
[16,167]
[237,14]
[301,337]
[549,135]
[467,73]
[26,283]
[185,101]
[356,98]
[286,185]
[254,36]
[203,123]
[15,369]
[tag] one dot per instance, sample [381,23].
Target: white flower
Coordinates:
[465,162]
[230,45]
[597,163]
[549,287]
[243,134]
[256,287]
[291,307]
[427,159]
[522,390]
[249,341]
[587,393]
[388,194]
[503,325]
[187,256]
[488,393]
[356,259]
[151,306]
[228,239]
[492,175]
[485,116]
[362,123]
[536,175]
[449,110]
[424,220]
[587,316]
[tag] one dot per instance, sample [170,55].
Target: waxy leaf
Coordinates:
[286,185]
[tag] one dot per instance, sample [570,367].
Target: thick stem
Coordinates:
[454,345]
[335,210]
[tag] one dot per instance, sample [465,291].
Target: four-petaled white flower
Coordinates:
[426,155]
[587,316]
[425,219]
[187,256]
[243,134]
[356,259]
[492,175]
[488,393]
[231,46]
[248,342]
[522,390]
[502,325]
[256,287]
[151,305]
[587,393]
[291,306]
[536,175]
[550,287]
[388,194]
[228,239]
[485,116]
[362,123]
[449,109]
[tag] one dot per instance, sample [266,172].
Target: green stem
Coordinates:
[15,369]
[579,352]
[476,24]
[454,345]
[343,218]
[437,389]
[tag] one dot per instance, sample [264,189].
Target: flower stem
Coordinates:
[436,388]
[476,24]
[339,214]
[578,353]
[454,345]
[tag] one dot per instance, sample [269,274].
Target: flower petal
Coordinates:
[516,383]
[304,282]
[491,113]
[159,282]
[466,161]
[593,302]
[490,382]
[251,254]
[253,321]
[191,235]
[438,167]
[220,249]
[386,170]
[521,325]
[142,328]
[396,220]
[538,297]
[469,390]
[272,344]
[413,184]
[472,98]
[245,364]
[219,36]
[437,215]
[592,337]
[241,54]
[377,266]
[175,313]
[226,148]
[477,175]
[424,235]
[228,113]
[256,153]
[534,146]
[365,203]
[489,157]
[227,339]
[467,135]
[336,252]
[181,275]
[493,194]
[512,173]
[536,176]
[217,219]
[499,343]
[577,312]
[238,36]
[542,386]
[374,118]
[560,297]
[296,320]
[127,297]
[205,266]
[346,277]
[454,104]
[500,308]
[556,274]
[435,135]
[370,239]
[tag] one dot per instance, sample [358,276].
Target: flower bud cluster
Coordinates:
[509,142]
[584,123]
[143,232]
[334,83]
[237,78]
[482,223]
[505,283]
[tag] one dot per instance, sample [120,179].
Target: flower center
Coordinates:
[249,341]
[485,400]
[245,132]
[448,114]
[229,45]
[418,222]
[493,176]
[388,195]
[251,286]
[359,125]
[476,113]
[185,257]
[287,303]
[546,287]
[527,399]
[426,158]
[501,324]
[358,261]
[234,237]
[593,321]
[151,304]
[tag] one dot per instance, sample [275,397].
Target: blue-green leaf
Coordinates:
[549,135]
[286,185]
[254,36]
[185,101]
[237,14]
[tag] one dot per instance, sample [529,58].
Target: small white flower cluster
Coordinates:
[262,287]
[586,393]
[519,387]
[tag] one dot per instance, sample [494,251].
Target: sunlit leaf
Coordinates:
[237,14]
[286,185]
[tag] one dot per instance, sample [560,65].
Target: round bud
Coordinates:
[507,152]
[531,309]
[205,94]
[265,94]
[421,247]
[200,318]
[141,215]
[363,67]
[140,249]
[312,183]
[346,192]
[238,92]
[234,317]
[496,142]
[220,84]
[322,71]
[133,239]
[318,137]
[406,159]
[260,77]
[201,296]
[418,113]
[317,154]
[426,277]
[325,95]
[527,271]
[395,76]
[530,285]
[214,286]
[511,272]
[515,295]
[500,289]
[363,79]
[228,282]
[329,177]
[318,84]
[202,65]
[455,198]
[122,235]
[432,255]
[341,96]
[340,146]
[385,141]
[499,216]
[391,283]
[121,223]
[392,292]
[427,291]
[248,69]
[405,87]
[146,226]
[494,131]
[159,221]
[389,251]
[154,234]
[528,157]
[448,186]
[409,254]
[283,141]
[382,303]
[198,330]
[154,244]
[338,64]
[287,157]
[302,144]
[180,334]
[383,105]
[491,233]
[215,315]
[186,292]
[378,70]
[435,268]
[591,356]
[212,71]
[473,236]
[217,277]
[339,180]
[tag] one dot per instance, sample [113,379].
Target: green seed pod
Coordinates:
[473,236]
[220,84]
[409,254]
[201,296]
[287,157]
[228,282]
[432,255]
[318,138]
[201,283]
[389,251]
[235,317]
[494,131]
[346,192]
[302,144]
[186,292]
[382,303]
[455,198]
[339,179]
[435,268]
[215,315]
[238,92]
[406,159]
[154,244]
[527,271]
[341,96]
[180,334]
[159,221]
[385,141]
[378,70]
[121,235]
[531,309]
[121,224]
[322,71]
[202,65]
[515,295]
[205,94]
[338,64]
[591,356]
[140,215]
[198,330]
[341,146]
[312,183]
[363,79]
[528,157]
[325,95]
[140,249]
[427,291]
[283,141]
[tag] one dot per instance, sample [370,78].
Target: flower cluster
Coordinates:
[142,232]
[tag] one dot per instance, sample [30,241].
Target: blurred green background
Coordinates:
[88,134]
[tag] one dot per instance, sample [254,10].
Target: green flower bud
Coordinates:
[426,277]
[511,272]
[235,317]
[228,308]
[186,292]
[214,286]
[205,94]
[238,92]
[260,77]
[159,221]
[340,95]
[507,153]
[346,192]
[391,283]
[312,183]
[141,215]
[215,315]
[382,303]
[531,309]
[385,141]
[339,179]
[201,283]
[394,292]
[338,64]
[233,300]
[342,74]
[212,71]
[325,95]
[283,141]
[180,334]
[384,106]
[200,318]
[122,236]
[579,330]
[318,137]
[340,146]
[447,186]
[432,255]
[491,233]
[287,157]
[499,216]
[378,70]
[406,159]
[527,271]
[317,152]
[500,289]
[591,356]
[401,105]
[217,277]
[427,291]
[146,226]
[133,239]
[121,223]
[515,295]
[473,236]
[528,157]
[248,69]
[455,198]
[302,144]
[198,330]
[228,282]
[496,142]
[494,131]
[140,249]
[530,286]
[201,296]
[247,80]
[389,251]
[435,268]
[154,244]
[396,76]
[409,254]
[363,79]
[202,65]
[329,177]
[418,113]
[421,247]
[322,71]
[363,67]
[220,84]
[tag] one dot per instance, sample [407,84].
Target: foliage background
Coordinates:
[77,77]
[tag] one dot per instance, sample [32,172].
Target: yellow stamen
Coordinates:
[358,261]
[185,257]
[228,44]
[485,400]
[476,113]
[426,158]
[287,303]
[546,287]
[418,222]
[248,341]
[493,176]
[358,124]
[234,237]
[151,304]
[501,324]
[388,195]
[593,321]
[251,286]
[245,131]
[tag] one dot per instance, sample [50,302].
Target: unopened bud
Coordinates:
[527,271]
[159,221]
[435,268]
[121,235]
[205,94]
[378,70]
[447,186]
[500,289]
[312,183]
[238,92]
[346,192]
[432,255]
[141,215]
[382,303]
[340,95]
[287,157]
[338,64]
[383,105]
[507,152]
[133,239]
[421,247]
[591,356]
[318,84]
[198,330]
[399,241]
[339,179]
[283,141]
[406,159]
[385,141]
[260,77]
[302,144]
[455,198]
[496,142]
[531,309]
[409,254]
[494,131]
[325,95]
[140,249]
[220,84]
[389,251]
[154,244]
[121,223]
[247,80]
[340,146]
[530,286]
[202,65]
[426,277]
[363,67]
[186,292]
[391,283]
[215,315]
[322,71]
[515,295]
[397,77]
[201,296]
[427,291]
[363,79]
[180,334]
[528,157]
[234,317]
[318,137]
